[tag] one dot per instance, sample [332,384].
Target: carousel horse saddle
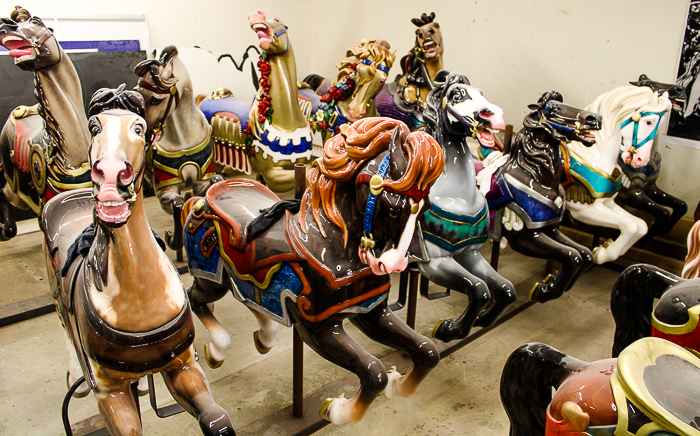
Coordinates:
[241,223]
[64,218]
[389,103]
[29,133]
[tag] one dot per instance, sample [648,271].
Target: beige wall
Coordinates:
[512,50]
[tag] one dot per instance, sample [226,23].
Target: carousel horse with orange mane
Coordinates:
[119,298]
[326,258]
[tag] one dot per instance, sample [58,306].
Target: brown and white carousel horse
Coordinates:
[43,147]
[118,296]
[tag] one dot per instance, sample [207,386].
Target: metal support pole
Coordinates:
[297,343]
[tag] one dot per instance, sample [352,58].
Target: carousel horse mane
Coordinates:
[107,98]
[434,112]
[619,104]
[527,152]
[375,50]
[691,269]
[345,153]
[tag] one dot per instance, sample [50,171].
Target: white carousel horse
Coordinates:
[631,117]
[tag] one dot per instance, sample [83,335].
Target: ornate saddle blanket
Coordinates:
[453,232]
[535,209]
[236,109]
[598,183]
[167,165]
[389,103]
[272,267]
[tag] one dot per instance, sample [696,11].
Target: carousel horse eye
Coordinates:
[138,129]
[649,123]
[156,101]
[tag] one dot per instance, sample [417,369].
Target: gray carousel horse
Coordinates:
[457,223]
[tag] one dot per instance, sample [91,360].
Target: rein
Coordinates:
[636,118]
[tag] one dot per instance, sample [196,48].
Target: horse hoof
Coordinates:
[600,255]
[325,409]
[437,327]
[258,343]
[211,361]
[392,386]
[78,392]
[332,410]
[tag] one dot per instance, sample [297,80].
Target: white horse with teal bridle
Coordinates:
[631,117]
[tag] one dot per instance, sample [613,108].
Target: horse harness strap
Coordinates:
[380,67]
[636,118]
[174,94]
[279,33]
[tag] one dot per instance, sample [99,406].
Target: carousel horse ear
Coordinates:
[397,156]
[533,107]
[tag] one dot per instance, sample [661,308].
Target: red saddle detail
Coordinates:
[22,149]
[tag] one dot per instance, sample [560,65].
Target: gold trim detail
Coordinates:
[247,277]
[694,318]
[180,153]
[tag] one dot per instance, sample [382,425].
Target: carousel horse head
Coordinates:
[272,34]
[428,36]
[461,109]
[30,42]
[631,117]
[116,117]
[368,70]
[158,85]
[676,93]
[565,123]
[392,171]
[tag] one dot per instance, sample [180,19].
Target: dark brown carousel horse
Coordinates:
[43,148]
[118,296]
[650,389]
[327,262]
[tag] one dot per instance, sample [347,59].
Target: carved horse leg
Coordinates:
[330,341]
[384,326]
[117,407]
[502,290]
[8,227]
[189,387]
[266,337]
[200,294]
[604,212]
[679,207]
[538,243]
[585,252]
[74,369]
[446,272]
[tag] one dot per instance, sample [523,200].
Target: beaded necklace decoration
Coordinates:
[326,117]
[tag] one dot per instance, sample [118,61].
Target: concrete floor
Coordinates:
[460,397]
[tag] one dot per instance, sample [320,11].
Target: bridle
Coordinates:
[374,180]
[636,118]
[174,95]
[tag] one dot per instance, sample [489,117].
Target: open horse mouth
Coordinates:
[586,137]
[485,138]
[19,48]
[113,212]
[263,31]
[430,48]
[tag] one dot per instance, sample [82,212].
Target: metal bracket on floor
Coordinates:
[162,412]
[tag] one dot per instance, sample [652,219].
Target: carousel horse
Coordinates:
[326,258]
[457,223]
[650,389]
[405,98]
[182,149]
[274,123]
[631,116]
[523,190]
[351,94]
[639,188]
[43,147]
[691,268]
[183,154]
[118,296]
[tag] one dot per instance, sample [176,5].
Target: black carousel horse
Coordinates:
[527,193]
[326,262]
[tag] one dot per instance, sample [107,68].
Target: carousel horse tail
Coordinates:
[632,302]
[526,385]
[691,269]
